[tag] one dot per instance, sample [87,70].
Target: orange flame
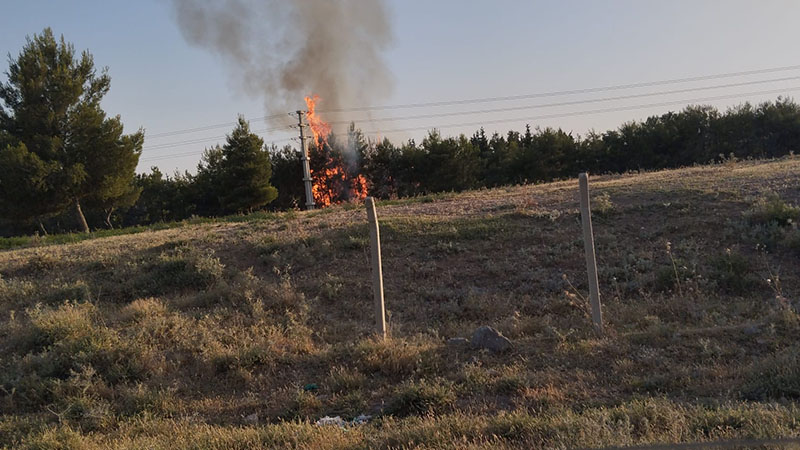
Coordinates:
[319,127]
[359,187]
[326,185]
[332,183]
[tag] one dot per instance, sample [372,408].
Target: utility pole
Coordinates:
[377,268]
[304,159]
[591,258]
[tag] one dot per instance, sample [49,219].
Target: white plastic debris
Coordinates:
[360,420]
[328,420]
[338,421]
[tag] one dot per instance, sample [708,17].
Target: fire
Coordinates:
[319,127]
[360,187]
[326,185]
[332,182]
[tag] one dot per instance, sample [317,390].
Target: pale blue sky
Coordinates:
[442,50]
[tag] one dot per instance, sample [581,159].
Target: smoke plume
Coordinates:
[283,50]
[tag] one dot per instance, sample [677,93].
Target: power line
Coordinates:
[170,156]
[208,139]
[567,92]
[588,112]
[571,103]
[194,152]
[209,127]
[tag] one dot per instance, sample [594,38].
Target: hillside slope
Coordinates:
[242,335]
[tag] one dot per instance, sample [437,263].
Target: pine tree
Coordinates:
[286,167]
[26,184]
[235,178]
[58,133]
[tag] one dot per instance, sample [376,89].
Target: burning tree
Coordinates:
[334,172]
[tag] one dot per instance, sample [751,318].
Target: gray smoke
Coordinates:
[283,50]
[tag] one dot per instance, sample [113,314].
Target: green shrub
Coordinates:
[421,397]
[768,235]
[510,381]
[664,280]
[61,343]
[351,404]
[137,398]
[394,357]
[40,262]
[331,287]
[80,399]
[246,290]
[16,291]
[78,291]
[57,438]
[300,404]
[343,379]
[178,269]
[70,324]
[773,210]
[791,239]
[355,242]
[602,205]
[142,308]
[648,417]
[772,223]
[513,426]
[732,273]
[774,377]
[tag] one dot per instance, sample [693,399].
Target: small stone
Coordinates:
[490,339]
[457,341]
[251,419]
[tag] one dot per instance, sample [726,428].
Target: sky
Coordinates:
[442,50]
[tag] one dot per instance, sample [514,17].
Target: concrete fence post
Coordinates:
[377,269]
[591,259]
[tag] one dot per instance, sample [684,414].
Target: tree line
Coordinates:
[695,135]
[65,165]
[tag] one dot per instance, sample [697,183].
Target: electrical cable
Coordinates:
[571,103]
[566,92]
[588,112]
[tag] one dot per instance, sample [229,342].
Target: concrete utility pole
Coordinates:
[377,268]
[591,258]
[304,159]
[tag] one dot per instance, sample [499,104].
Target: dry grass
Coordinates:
[179,338]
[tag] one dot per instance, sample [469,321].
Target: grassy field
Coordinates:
[7,243]
[241,334]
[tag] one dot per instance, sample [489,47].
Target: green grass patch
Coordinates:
[7,243]
[421,397]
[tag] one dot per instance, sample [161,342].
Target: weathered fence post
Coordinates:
[377,269]
[591,259]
